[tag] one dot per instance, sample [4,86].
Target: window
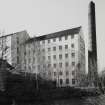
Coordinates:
[72,45]
[17,40]
[43,42]
[43,57]
[49,58]
[17,59]
[66,46]
[54,73]
[54,65]
[60,38]
[38,50]
[34,67]
[60,56]
[67,73]
[49,73]
[60,65]
[67,80]
[39,59]
[54,48]
[49,49]
[54,56]
[60,47]
[43,50]
[29,60]
[72,36]
[49,65]
[66,55]
[17,50]
[66,64]
[24,61]
[33,60]
[73,54]
[25,67]
[54,40]
[29,52]
[28,45]
[73,63]
[33,50]
[73,72]
[24,53]
[48,40]
[44,66]
[73,81]
[38,67]
[66,37]
[61,81]
[29,68]
[60,73]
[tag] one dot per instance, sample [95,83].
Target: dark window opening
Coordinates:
[67,81]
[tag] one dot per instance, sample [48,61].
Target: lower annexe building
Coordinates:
[57,56]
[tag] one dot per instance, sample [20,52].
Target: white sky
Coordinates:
[40,17]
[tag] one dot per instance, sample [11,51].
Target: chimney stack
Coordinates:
[92,48]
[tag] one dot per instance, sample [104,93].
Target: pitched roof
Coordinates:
[56,34]
[13,34]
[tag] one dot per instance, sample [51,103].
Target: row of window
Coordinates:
[60,65]
[49,49]
[60,39]
[60,47]
[54,57]
[56,73]
[61,73]
[67,81]
[60,56]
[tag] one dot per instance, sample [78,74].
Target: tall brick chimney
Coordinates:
[92,48]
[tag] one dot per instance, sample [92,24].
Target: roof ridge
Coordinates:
[56,34]
[13,33]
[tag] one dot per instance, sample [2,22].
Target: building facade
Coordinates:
[10,47]
[57,56]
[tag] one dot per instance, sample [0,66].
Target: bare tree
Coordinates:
[3,49]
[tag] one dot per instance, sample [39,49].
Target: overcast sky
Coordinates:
[40,17]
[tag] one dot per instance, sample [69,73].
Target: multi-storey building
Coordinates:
[10,46]
[57,56]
